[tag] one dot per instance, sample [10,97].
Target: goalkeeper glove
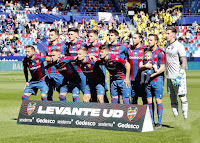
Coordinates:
[177,80]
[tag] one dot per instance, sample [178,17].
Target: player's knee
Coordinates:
[158,100]
[149,99]
[86,97]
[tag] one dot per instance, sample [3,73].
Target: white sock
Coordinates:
[184,104]
[174,104]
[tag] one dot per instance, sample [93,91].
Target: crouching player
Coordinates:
[95,78]
[71,77]
[120,74]
[35,64]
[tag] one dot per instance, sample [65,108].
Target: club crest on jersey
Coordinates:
[140,51]
[78,45]
[132,112]
[117,47]
[31,108]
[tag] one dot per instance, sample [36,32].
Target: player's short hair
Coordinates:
[83,48]
[30,46]
[139,34]
[155,36]
[55,50]
[114,31]
[73,29]
[172,28]
[55,30]
[104,47]
[93,31]
[148,52]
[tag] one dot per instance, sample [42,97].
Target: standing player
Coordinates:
[95,78]
[35,65]
[176,63]
[93,50]
[71,77]
[72,48]
[120,74]
[54,78]
[136,54]
[117,48]
[156,83]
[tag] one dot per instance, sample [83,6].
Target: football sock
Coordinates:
[160,112]
[174,104]
[125,100]
[114,100]
[44,98]
[184,104]
[25,97]
[76,98]
[151,112]
[62,98]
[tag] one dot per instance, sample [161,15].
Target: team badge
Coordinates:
[31,108]
[117,47]
[132,112]
[140,51]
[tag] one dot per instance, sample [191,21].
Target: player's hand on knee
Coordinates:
[127,82]
[27,84]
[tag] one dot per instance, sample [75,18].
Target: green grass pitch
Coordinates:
[11,89]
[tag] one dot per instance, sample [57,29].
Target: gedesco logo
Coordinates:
[31,108]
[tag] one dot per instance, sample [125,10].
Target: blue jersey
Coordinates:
[72,48]
[120,50]
[47,52]
[94,50]
[92,71]
[66,68]
[116,67]
[36,67]
[159,59]
[135,56]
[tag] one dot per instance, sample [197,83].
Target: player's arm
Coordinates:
[126,80]
[183,60]
[25,73]
[161,57]
[159,71]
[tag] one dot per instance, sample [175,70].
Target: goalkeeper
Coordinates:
[176,64]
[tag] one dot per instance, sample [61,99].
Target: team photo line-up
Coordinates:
[135,70]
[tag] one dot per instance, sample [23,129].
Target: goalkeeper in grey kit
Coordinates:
[176,63]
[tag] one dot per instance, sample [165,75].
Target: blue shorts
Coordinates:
[155,88]
[35,85]
[83,81]
[100,90]
[118,84]
[54,81]
[70,86]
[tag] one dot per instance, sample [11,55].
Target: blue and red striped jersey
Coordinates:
[47,52]
[92,71]
[66,68]
[36,67]
[94,50]
[135,56]
[120,50]
[158,56]
[115,66]
[72,48]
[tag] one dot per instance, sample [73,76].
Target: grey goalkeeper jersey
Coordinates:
[173,53]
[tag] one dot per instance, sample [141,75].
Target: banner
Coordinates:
[11,66]
[124,117]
